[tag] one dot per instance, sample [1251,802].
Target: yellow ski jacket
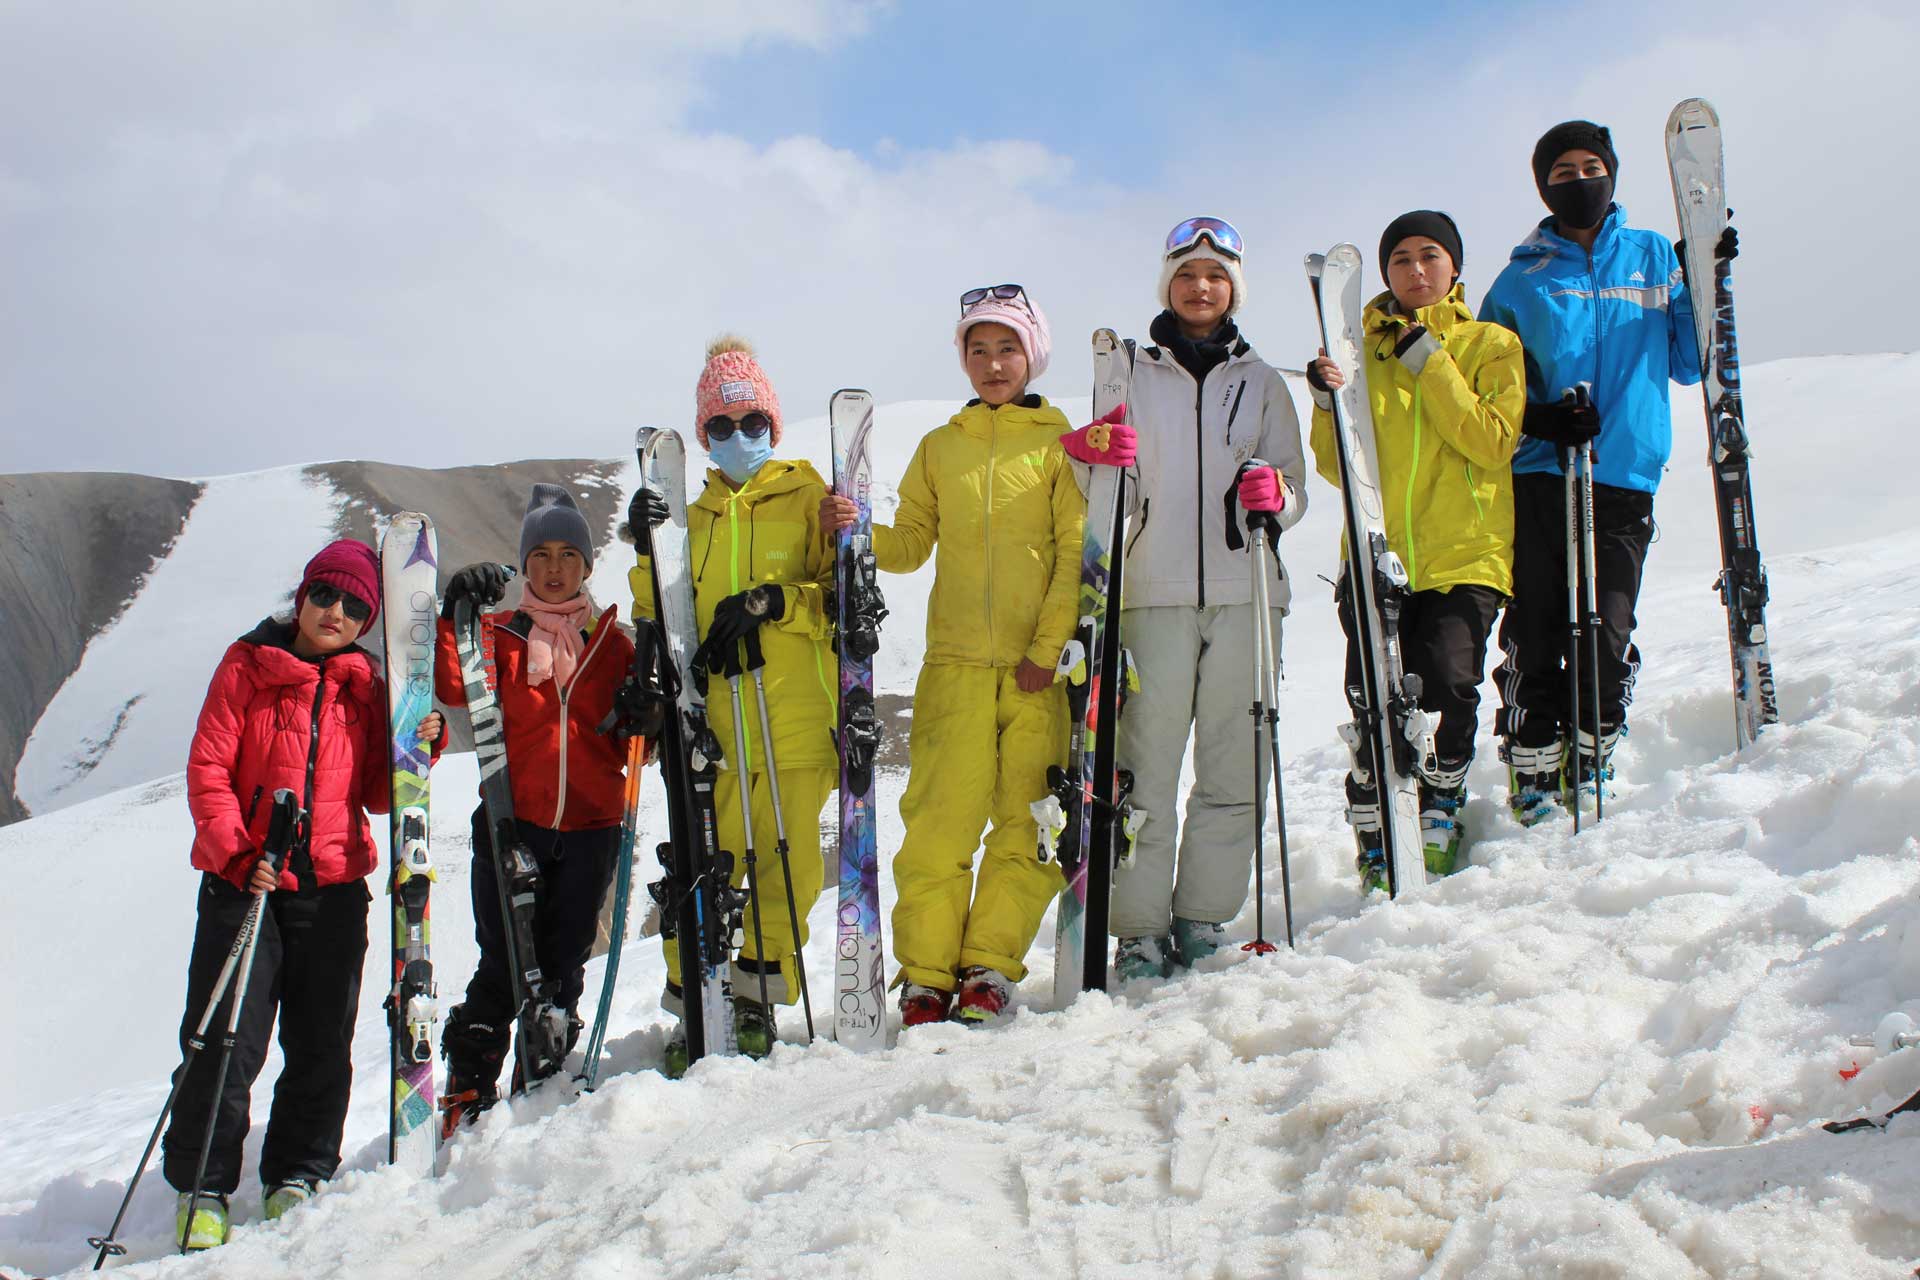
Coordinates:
[1444,440]
[996,492]
[767,531]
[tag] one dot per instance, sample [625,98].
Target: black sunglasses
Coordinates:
[753,426]
[1005,292]
[321,595]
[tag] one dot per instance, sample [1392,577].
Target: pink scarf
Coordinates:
[554,644]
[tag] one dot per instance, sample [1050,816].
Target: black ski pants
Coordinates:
[1443,640]
[576,868]
[306,966]
[1532,676]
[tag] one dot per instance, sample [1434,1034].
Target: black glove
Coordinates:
[1314,379]
[484,584]
[1569,423]
[648,509]
[1728,246]
[639,710]
[733,620]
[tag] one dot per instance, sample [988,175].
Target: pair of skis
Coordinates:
[1696,163]
[1086,822]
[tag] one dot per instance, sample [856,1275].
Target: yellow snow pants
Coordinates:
[980,754]
[803,793]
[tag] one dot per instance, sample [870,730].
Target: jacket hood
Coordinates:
[269,649]
[776,476]
[1545,242]
[1382,312]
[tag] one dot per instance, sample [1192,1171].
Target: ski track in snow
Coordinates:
[1591,1056]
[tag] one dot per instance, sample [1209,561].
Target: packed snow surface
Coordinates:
[1601,1055]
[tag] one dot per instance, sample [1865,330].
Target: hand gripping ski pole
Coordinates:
[1262,530]
[280,832]
[756,665]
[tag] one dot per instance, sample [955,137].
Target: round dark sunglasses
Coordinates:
[753,426]
[322,595]
[1005,292]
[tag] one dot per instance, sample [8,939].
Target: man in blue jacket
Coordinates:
[1603,313]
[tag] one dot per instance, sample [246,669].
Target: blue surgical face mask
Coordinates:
[740,455]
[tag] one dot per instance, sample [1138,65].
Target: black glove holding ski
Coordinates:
[484,584]
[734,619]
[647,510]
[639,710]
[1571,422]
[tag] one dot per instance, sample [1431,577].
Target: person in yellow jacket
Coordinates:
[762,569]
[994,498]
[1447,392]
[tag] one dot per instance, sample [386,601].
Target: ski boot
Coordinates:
[985,996]
[921,1005]
[210,1225]
[474,1052]
[675,1063]
[1577,784]
[1443,793]
[755,1028]
[1144,956]
[1363,815]
[1195,940]
[286,1196]
[1533,780]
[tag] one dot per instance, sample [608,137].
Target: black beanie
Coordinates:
[1431,223]
[1573,135]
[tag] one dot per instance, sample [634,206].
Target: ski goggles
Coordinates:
[1005,292]
[324,595]
[753,426]
[1185,238]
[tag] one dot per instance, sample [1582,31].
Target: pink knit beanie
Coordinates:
[1024,317]
[348,565]
[733,380]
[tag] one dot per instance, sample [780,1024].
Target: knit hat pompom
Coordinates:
[346,565]
[733,381]
[1572,135]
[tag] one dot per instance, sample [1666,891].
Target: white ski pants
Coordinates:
[1196,675]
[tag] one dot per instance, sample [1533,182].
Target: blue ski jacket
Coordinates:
[1619,319]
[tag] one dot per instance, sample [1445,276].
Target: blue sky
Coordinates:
[237,235]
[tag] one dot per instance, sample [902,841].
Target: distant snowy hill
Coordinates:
[1594,1056]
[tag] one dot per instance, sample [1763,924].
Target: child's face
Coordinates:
[325,630]
[555,571]
[1200,293]
[996,363]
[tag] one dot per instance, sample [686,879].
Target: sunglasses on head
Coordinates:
[1005,292]
[322,595]
[1185,238]
[753,426]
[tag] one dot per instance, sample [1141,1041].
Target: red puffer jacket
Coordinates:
[566,774]
[275,720]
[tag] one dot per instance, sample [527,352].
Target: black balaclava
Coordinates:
[1583,202]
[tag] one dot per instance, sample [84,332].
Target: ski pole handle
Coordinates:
[281,828]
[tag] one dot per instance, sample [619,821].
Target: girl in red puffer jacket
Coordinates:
[297,704]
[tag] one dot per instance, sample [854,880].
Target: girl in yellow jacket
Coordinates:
[761,567]
[1447,392]
[992,495]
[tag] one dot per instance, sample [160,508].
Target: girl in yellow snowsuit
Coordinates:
[1446,392]
[760,564]
[993,497]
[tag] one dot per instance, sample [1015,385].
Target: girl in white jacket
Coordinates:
[1203,405]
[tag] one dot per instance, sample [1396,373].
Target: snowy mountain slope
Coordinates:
[1591,1056]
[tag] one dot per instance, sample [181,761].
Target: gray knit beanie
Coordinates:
[552,517]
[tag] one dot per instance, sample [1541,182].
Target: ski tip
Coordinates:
[1344,255]
[1692,113]
[1316,264]
[1105,341]
[848,395]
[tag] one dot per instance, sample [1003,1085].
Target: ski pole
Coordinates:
[756,663]
[280,829]
[1260,526]
[1270,665]
[744,780]
[1590,571]
[1573,624]
[109,1245]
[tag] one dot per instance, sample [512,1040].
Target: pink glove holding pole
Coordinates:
[1107,441]
[1261,490]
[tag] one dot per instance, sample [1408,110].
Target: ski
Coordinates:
[622,898]
[1084,817]
[859,965]
[699,906]
[541,1026]
[1696,164]
[409,580]
[1895,1032]
[1390,732]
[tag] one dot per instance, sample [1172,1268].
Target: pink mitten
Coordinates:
[1107,441]
[1260,490]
